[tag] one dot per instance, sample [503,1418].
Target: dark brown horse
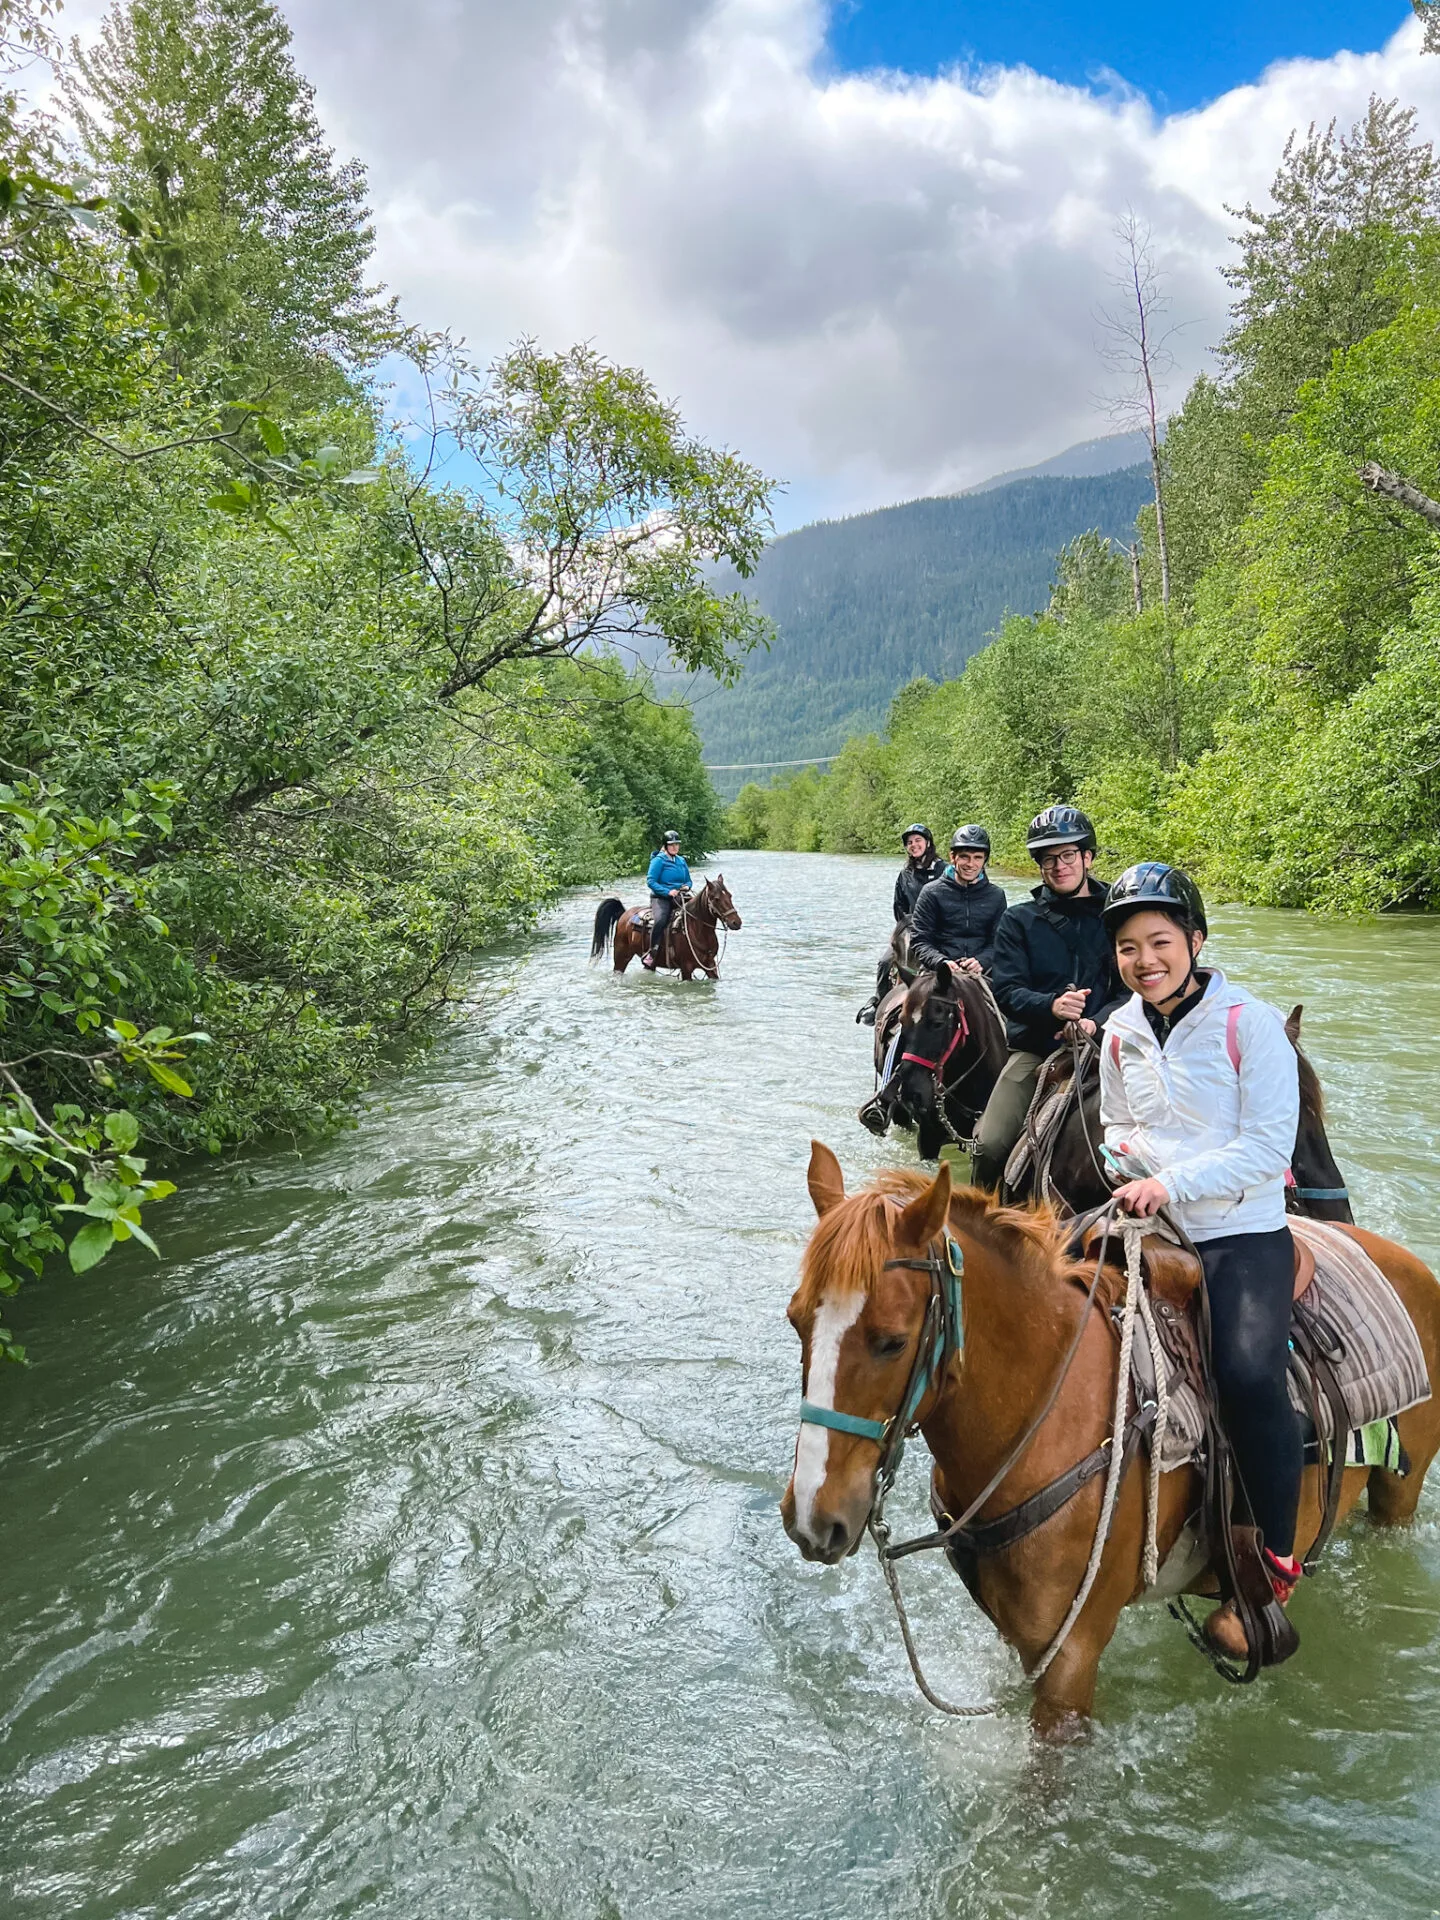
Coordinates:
[1068,1170]
[1023,1307]
[952,1050]
[692,940]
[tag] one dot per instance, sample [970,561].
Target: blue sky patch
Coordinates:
[1179,57]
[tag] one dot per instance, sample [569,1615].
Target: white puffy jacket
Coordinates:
[1219,1136]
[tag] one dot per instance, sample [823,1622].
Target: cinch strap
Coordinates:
[814,1416]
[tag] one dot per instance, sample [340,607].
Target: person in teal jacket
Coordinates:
[667,879]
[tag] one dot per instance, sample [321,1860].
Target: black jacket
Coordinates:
[909,881]
[956,921]
[1044,945]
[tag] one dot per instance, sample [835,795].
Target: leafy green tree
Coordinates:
[1314,271]
[193,114]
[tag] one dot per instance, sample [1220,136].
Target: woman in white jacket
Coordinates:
[1200,1098]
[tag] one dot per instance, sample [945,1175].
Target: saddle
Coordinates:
[1356,1360]
[1029,1164]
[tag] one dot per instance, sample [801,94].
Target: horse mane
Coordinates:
[969,989]
[854,1239]
[1312,1094]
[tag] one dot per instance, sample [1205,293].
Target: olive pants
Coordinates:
[1003,1120]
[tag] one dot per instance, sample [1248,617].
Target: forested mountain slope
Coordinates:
[861,606]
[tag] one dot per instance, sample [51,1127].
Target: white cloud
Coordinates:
[876,287]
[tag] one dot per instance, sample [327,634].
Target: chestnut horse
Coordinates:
[691,941]
[1023,1305]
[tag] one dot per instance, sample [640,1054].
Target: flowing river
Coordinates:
[406,1544]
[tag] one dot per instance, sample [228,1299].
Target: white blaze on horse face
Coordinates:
[834,1320]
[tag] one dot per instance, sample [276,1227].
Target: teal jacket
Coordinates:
[667,870]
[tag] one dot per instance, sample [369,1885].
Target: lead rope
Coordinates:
[1137,1304]
[1133,1231]
[1150,1564]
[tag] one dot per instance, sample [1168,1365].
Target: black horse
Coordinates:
[951,1055]
[1064,1165]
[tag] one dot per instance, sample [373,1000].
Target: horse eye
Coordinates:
[886,1346]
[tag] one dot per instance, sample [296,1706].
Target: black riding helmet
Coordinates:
[918,826]
[971,839]
[1155,887]
[669,837]
[1060,826]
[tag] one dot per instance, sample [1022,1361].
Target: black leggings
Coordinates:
[663,907]
[1250,1279]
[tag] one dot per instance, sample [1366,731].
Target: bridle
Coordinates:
[937,1069]
[941,1338]
[727,918]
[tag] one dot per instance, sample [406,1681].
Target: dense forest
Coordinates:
[860,606]
[287,730]
[1276,725]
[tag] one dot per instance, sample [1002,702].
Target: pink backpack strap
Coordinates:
[1115,1050]
[1232,1036]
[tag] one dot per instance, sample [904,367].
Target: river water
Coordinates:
[406,1544]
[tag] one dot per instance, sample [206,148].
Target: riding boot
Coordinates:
[1223,1628]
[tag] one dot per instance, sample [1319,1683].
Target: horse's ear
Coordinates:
[925,1215]
[825,1180]
[1292,1024]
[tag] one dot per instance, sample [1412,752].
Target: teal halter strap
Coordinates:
[811,1415]
[940,1336]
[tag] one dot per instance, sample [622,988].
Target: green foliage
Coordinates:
[192,113]
[861,606]
[289,731]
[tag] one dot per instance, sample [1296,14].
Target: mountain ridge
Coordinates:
[864,604]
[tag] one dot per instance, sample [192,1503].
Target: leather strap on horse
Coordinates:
[1270,1635]
[1306,1335]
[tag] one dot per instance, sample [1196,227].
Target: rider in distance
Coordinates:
[668,878]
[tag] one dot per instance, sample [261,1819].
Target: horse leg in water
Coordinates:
[629,940]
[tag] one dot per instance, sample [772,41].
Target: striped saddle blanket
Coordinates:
[1356,1318]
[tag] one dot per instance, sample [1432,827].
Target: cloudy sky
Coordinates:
[863,242]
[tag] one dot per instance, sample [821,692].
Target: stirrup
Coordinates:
[875,1116]
[866,1016]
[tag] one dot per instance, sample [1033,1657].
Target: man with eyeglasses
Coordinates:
[1053,964]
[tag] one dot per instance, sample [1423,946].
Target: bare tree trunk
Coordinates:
[1135,577]
[1143,287]
[1394,486]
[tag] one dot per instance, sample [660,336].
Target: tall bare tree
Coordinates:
[1135,344]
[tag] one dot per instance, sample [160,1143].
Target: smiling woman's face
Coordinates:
[1154,955]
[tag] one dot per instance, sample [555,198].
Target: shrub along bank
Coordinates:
[1277,728]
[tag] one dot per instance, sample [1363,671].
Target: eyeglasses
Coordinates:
[1062,857]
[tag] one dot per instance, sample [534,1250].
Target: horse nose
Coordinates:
[821,1537]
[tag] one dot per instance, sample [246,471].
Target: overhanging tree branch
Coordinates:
[1393,486]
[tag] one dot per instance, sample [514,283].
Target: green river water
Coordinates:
[406,1544]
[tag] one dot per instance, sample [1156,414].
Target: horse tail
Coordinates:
[607,917]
